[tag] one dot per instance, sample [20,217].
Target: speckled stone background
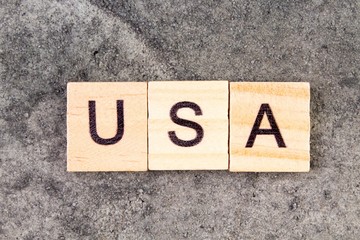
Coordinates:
[45,43]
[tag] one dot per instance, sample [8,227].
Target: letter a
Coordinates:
[265,109]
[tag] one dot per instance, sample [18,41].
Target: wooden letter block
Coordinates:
[269,127]
[188,125]
[107,126]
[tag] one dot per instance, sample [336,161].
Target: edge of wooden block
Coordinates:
[301,170]
[69,84]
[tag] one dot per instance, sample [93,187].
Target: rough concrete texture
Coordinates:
[45,43]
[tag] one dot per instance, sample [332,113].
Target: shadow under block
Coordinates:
[188,125]
[269,127]
[107,126]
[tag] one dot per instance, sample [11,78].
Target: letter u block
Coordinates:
[269,127]
[188,125]
[107,126]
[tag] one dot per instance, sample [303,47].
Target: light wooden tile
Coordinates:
[123,151]
[209,153]
[290,107]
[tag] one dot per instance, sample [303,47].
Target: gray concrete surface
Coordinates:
[45,43]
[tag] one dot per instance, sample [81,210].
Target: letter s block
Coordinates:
[269,127]
[107,126]
[188,125]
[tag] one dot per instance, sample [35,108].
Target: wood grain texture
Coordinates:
[290,105]
[128,154]
[212,151]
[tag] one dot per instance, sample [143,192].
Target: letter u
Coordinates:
[120,124]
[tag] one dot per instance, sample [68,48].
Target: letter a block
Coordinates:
[188,125]
[269,127]
[107,126]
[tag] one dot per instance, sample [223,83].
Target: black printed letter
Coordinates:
[182,122]
[265,108]
[120,124]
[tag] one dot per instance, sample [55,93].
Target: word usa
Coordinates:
[188,125]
